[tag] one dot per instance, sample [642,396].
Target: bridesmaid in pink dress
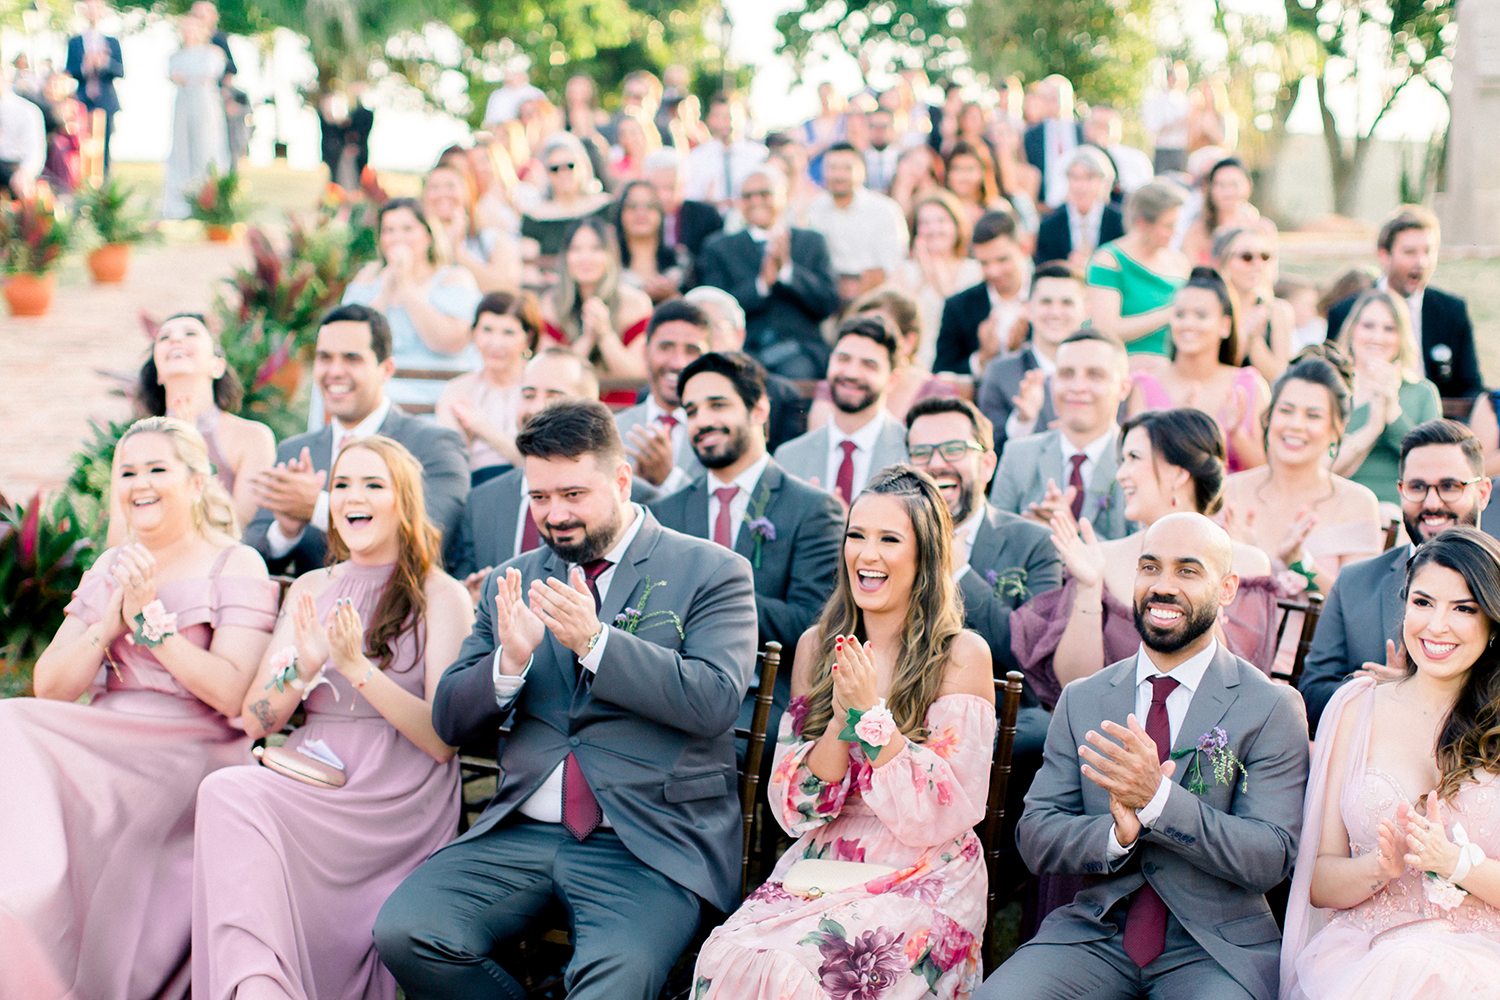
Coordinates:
[287,876]
[892,631]
[1387,901]
[97,825]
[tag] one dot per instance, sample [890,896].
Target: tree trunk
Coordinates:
[1343,167]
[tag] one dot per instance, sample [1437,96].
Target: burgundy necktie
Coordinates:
[669,420]
[581,813]
[725,496]
[1146,920]
[530,536]
[1075,480]
[844,485]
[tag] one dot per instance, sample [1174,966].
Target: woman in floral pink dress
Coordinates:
[892,635]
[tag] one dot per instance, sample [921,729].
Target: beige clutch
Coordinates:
[814,877]
[300,766]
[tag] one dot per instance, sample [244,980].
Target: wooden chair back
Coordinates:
[1008,704]
[756,738]
[1392,529]
[1311,606]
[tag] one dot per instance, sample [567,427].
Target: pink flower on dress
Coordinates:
[970,849]
[157,622]
[847,849]
[769,892]
[863,774]
[926,891]
[863,969]
[944,743]
[876,726]
[797,712]
[828,799]
[915,946]
[951,944]
[944,793]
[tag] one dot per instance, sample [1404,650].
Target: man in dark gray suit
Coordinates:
[1175,778]
[655,430]
[1003,559]
[1442,485]
[351,366]
[861,437]
[791,532]
[1073,467]
[617,791]
[1016,390]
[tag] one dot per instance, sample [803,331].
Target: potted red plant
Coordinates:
[33,238]
[218,204]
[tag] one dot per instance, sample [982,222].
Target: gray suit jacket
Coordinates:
[999,385]
[1021,555]
[1211,857]
[445,484]
[1361,612]
[1029,462]
[486,533]
[806,457]
[685,458]
[652,729]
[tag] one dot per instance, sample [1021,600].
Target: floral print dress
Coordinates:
[914,933]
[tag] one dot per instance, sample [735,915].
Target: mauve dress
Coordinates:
[96,829]
[288,877]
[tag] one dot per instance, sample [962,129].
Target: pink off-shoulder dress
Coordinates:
[96,807]
[915,933]
[288,877]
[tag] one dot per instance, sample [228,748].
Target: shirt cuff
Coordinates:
[761,288]
[958,574]
[784,276]
[591,661]
[1014,428]
[676,480]
[507,686]
[277,543]
[320,512]
[1149,813]
[1112,850]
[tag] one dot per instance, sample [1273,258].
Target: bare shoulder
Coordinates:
[802,661]
[446,594]
[1356,502]
[1250,561]
[245,561]
[1240,487]
[635,305]
[970,668]
[247,433]
[457,277]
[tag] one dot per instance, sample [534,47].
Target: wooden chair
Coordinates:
[1457,409]
[424,375]
[1392,529]
[1311,608]
[1008,701]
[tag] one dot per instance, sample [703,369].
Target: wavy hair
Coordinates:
[1321,365]
[1408,353]
[1469,740]
[151,395]
[934,611]
[213,511]
[403,604]
[1188,439]
[567,303]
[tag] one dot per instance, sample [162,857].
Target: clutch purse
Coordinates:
[814,877]
[300,766]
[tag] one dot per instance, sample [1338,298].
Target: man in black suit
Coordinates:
[617,655]
[684,223]
[978,321]
[781,276]
[94,60]
[1048,142]
[1407,249]
[791,532]
[1086,220]
[351,366]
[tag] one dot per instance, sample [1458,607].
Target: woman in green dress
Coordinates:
[1390,394]
[1131,280]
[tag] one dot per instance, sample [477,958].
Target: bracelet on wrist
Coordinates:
[359,684]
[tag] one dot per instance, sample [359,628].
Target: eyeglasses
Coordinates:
[558,168]
[639,206]
[1250,257]
[762,193]
[921,454]
[1448,490]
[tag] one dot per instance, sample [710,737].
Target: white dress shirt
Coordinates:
[703,177]
[676,479]
[864,444]
[963,539]
[1007,312]
[783,276]
[276,541]
[1188,675]
[739,507]
[1061,138]
[545,804]
[1083,230]
[869,234]
[1091,452]
[23,134]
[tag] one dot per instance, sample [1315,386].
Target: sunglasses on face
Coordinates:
[1250,256]
[558,168]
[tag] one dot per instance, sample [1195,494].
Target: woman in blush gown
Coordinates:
[1388,902]
[893,631]
[287,876]
[97,824]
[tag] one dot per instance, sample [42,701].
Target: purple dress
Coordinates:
[97,825]
[288,877]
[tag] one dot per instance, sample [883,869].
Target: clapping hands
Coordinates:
[855,681]
[135,570]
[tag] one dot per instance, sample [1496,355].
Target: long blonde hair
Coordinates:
[934,611]
[567,302]
[213,511]
[1408,354]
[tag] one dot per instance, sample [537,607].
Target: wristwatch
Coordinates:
[593,641]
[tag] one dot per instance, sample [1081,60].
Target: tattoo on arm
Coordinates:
[263,714]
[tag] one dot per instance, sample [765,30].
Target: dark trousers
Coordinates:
[629,923]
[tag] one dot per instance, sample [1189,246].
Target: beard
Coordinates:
[596,540]
[736,441]
[863,401]
[1195,622]
[961,506]
[1418,534]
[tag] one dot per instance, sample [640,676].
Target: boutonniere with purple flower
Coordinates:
[761,528]
[633,619]
[1104,504]
[1214,745]
[1011,583]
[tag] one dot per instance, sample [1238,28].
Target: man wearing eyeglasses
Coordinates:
[1442,484]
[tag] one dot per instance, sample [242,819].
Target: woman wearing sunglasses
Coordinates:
[1247,259]
[571,193]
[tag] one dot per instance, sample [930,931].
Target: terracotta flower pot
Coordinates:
[219,234]
[30,294]
[109,263]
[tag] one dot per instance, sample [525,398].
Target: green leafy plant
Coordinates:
[220,200]
[258,352]
[88,486]
[33,236]
[112,212]
[44,549]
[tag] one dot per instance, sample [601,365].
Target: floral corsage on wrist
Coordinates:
[284,672]
[1214,745]
[872,728]
[153,624]
[1445,892]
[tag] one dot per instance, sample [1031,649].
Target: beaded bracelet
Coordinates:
[359,684]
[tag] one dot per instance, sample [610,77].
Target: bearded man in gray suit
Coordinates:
[618,655]
[1184,822]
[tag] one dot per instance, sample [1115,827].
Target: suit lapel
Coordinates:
[1051,464]
[1391,608]
[695,509]
[985,553]
[627,576]
[509,516]
[770,484]
[321,451]
[1209,705]
[1120,696]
